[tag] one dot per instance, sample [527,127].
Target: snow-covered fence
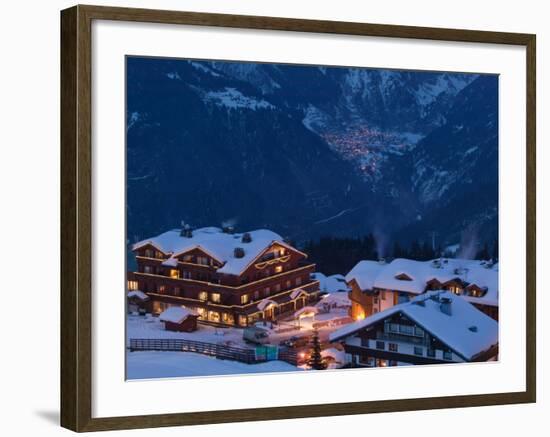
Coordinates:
[333,322]
[220,351]
[181,345]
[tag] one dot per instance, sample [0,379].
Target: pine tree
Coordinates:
[484,254]
[316,361]
[494,253]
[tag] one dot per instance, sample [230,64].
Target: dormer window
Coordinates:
[455,289]
[403,277]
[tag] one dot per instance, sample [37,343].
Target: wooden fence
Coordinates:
[220,351]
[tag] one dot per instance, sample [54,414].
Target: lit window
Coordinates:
[454,289]
[174,273]
[132,285]
[214,316]
[203,295]
[202,260]
[244,299]
[278,269]
[215,297]
[201,312]
[242,320]
[227,318]
[162,289]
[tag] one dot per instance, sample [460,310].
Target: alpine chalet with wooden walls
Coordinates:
[435,327]
[227,278]
[377,285]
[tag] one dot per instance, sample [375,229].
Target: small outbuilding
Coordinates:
[137,302]
[178,318]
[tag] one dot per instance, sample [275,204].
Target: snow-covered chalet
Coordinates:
[377,285]
[227,278]
[434,328]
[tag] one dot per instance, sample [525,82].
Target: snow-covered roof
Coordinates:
[331,284]
[138,294]
[217,243]
[176,314]
[306,310]
[265,303]
[338,299]
[364,273]
[467,330]
[373,274]
[295,293]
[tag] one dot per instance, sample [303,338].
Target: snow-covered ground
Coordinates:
[331,312]
[144,365]
[152,327]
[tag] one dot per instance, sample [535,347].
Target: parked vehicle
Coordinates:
[297,341]
[256,335]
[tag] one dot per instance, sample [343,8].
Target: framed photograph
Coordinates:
[256,203]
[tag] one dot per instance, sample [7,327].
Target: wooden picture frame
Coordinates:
[76,218]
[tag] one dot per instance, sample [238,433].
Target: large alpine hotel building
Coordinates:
[225,277]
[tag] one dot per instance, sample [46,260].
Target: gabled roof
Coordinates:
[220,245]
[467,331]
[176,314]
[373,274]
[364,273]
[138,294]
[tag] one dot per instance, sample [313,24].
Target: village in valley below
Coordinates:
[211,301]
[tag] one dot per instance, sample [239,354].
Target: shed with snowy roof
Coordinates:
[179,318]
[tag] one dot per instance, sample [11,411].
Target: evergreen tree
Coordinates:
[316,361]
[494,253]
[484,253]
[398,251]
[415,251]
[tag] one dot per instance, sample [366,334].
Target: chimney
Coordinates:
[228,229]
[445,305]
[186,231]
[238,252]
[246,238]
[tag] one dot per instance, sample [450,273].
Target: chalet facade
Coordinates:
[434,328]
[376,286]
[226,278]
